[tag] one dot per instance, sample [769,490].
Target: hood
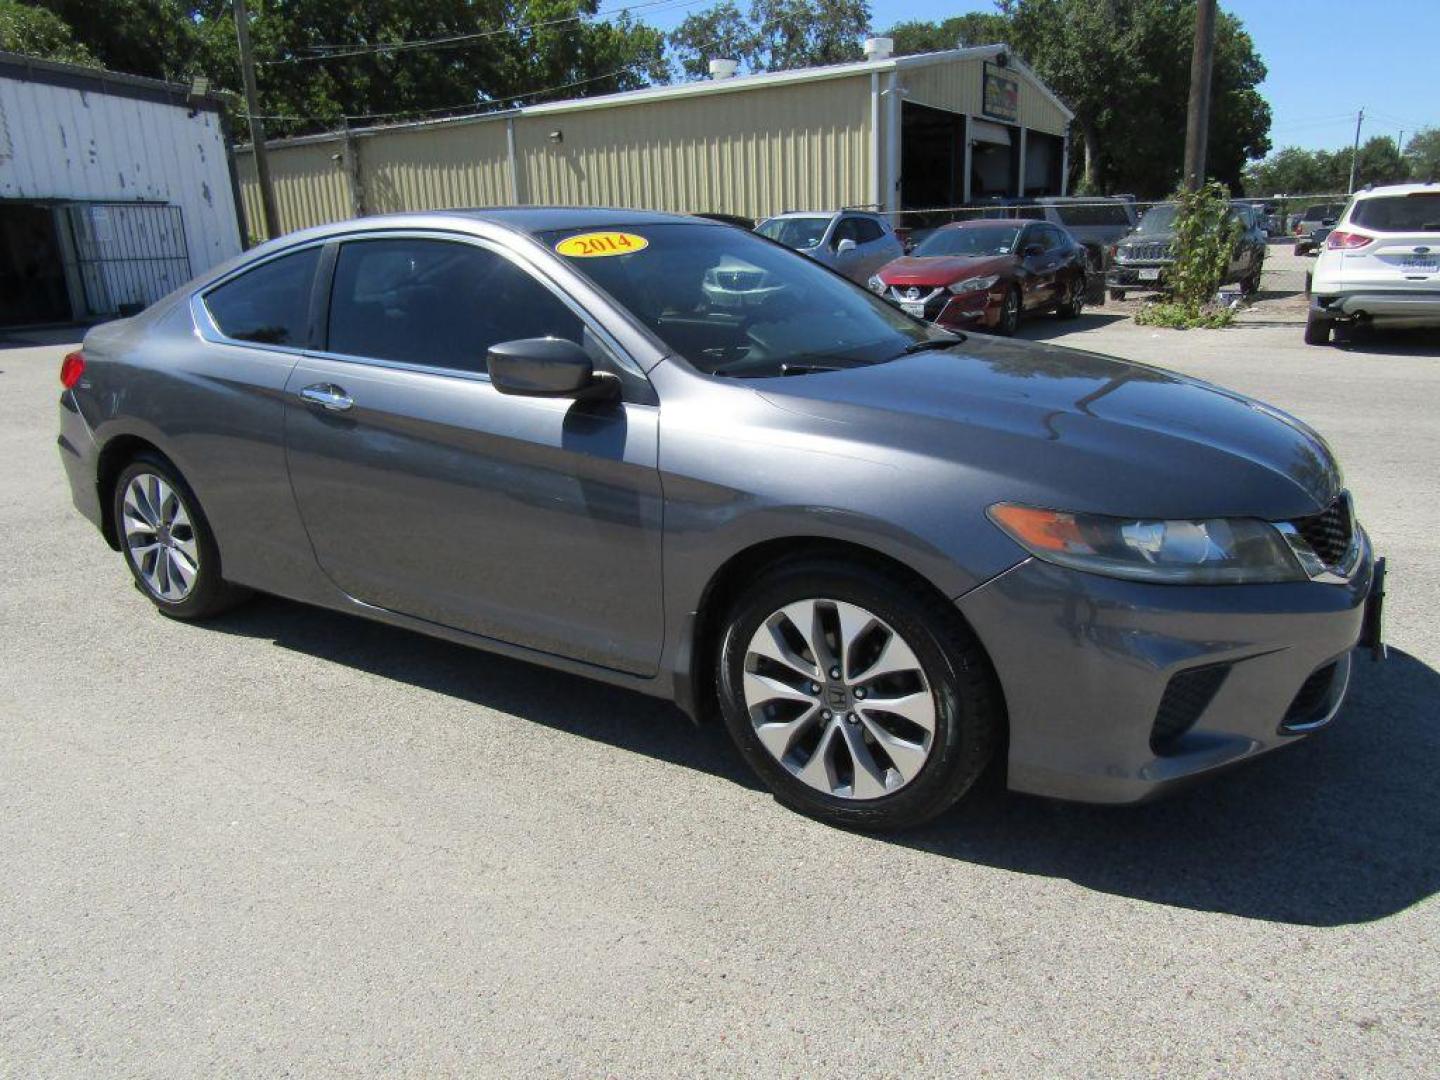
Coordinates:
[1078,431]
[939,270]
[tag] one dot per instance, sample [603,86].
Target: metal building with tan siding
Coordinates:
[895,133]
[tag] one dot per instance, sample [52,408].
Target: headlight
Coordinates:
[1215,551]
[876,285]
[974,284]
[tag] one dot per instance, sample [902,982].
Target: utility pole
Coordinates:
[1197,125]
[1355,153]
[257,128]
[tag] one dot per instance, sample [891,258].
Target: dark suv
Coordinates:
[1144,257]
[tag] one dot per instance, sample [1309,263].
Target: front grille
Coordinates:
[1329,533]
[1141,252]
[1313,698]
[1187,695]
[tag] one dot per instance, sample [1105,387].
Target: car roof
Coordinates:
[1432,188]
[1010,222]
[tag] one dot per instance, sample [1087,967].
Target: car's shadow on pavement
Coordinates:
[1366,340]
[1342,828]
[1045,327]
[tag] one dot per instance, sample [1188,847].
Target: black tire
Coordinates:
[1074,302]
[1009,313]
[1251,285]
[1317,329]
[210,593]
[969,716]
[1118,295]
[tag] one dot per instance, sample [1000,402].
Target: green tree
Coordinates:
[777,35]
[961,31]
[718,33]
[1319,172]
[319,61]
[1423,154]
[37,32]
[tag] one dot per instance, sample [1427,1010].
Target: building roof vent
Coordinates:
[723,69]
[879,48]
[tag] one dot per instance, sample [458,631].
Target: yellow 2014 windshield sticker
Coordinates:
[596,245]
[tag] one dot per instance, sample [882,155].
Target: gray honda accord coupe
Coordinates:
[675,456]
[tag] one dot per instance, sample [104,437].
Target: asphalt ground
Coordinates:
[290,842]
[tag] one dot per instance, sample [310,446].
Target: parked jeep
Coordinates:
[1144,257]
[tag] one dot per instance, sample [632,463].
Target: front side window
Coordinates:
[1399,213]
[269,305]
[795,232]
[970,240]
[438,303]
[867,231]
[734,305]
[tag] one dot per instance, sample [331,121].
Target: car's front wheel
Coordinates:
[1074,301]
[1009,313]
[857,698]
[1118,295]
[167,541]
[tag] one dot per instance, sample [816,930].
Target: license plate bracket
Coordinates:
[913,308]
[1372,627]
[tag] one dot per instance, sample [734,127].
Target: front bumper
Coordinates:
[1127,276]
[1394,307]
[1085,663]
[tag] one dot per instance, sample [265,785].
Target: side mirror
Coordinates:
[845,246]
[548,367]
[1033,249]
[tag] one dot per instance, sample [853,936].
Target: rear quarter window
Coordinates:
[1399,213]
[270,304]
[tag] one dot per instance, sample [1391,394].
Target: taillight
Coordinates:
[71,369]
[1345,241]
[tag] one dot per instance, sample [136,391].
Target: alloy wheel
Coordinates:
[839,699]
[160,537]
[1010,313]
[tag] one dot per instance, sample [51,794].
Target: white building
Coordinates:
[114,190]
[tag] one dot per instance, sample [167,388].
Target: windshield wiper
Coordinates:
[933,343]
[788,368]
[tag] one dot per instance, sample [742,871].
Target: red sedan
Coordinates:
[986,274]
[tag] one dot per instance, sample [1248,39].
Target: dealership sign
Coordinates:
[1002,94]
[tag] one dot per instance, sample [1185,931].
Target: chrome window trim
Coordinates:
[204,321]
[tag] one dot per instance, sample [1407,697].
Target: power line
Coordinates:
[341,52]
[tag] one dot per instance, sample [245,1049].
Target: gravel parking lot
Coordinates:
[292,842]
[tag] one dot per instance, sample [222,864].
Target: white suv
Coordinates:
[1381,264]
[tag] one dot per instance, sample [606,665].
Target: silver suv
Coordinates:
[854,242]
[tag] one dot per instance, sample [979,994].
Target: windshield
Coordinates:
[1158,219]
[970,240]
[795,232]
[1399,213]
[733,304]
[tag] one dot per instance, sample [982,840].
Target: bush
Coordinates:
[1205,236]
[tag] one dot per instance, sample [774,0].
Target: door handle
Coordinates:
[327,395]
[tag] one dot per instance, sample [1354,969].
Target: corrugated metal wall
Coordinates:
[959,87]
[311,187]
[756,152]
[434,167]
[57,142]
[752,152]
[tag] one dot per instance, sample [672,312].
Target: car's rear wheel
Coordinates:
[1118,295]
[1009,313]
[856,698]
[1251,285]
[1074,301]
[1317,329]
[167,541]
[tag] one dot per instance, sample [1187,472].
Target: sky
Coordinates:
[1327,59]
